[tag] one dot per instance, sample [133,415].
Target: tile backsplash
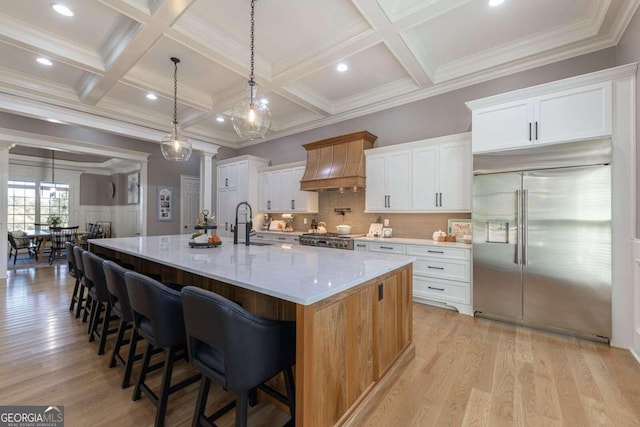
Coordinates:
[419,226]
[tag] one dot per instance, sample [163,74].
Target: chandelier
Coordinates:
[251,118]
[175,146]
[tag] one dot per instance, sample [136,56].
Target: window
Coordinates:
[22,205]
[32,202]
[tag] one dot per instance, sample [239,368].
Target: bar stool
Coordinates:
[114,275]
[238,350]
[84,285]
[73,272]
[94,273]
[158,317]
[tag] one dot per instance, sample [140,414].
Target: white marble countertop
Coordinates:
[300,274]
[410,241]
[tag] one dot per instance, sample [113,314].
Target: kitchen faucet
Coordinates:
[248,224]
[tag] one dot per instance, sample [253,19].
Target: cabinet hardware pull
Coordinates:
[269,204]
[436,200]
[380,291]
[360,246]
[293,204]
[386,247]
[529,131]
[436,289]
[440,199]
[436,268]
[282,238]
[226,182]
[537,131]
[435,252]
[226,226]
[389,201]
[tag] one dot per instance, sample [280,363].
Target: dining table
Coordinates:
[41,237]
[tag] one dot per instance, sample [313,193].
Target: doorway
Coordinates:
[189,203]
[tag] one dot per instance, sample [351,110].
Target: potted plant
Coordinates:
[54,221]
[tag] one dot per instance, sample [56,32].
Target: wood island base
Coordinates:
[348,345]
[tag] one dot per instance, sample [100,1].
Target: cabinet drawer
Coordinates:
[442,290]
[439,252]
[360,246]
[387,247]
[442,268]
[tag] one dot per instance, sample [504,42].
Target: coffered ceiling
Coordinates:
[111,53]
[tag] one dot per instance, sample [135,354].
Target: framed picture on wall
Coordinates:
[133,188]
[165,203]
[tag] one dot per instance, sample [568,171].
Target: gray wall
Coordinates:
[93,190]
[437,116]
[627,51]
[160,171]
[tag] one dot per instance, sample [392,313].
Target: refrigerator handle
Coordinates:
[518,259]
[525,225]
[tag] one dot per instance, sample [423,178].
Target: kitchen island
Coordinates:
[353,310]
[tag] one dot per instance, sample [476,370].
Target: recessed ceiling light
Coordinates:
[152,96]
[62,9]
[44,61]
[220,119]
[54,121]
[494,3]
[342,67]
[264,101]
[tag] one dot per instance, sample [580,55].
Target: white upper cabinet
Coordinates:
[433,175]
[388,181]
[280,190]
[237,182]
[442,176]
[271,191]
[560,116]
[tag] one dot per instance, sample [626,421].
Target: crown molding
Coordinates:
[22,84]
[306,97]
[621,71]
[378,94]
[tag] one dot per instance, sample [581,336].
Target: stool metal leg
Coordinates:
[105,328]
[166,385]
[143,372]
[199,417]
[242,402]
[74,295]
[126,380]
[81,301]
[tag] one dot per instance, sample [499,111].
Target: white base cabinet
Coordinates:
[441,274]
[275,237]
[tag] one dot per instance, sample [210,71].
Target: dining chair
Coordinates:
[58,237]
[18,244]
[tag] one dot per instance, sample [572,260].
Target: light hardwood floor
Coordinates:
[466,371]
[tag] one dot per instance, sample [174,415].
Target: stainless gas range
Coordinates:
[329,240]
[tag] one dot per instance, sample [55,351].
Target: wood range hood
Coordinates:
[337,162]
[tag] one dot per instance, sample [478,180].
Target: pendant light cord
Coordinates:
[253,8]
[252,82]
[175,90]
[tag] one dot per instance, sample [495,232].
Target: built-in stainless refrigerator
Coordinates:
[542,237]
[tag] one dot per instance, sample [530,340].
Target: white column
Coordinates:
[144,199]
[4,206]
[206,180]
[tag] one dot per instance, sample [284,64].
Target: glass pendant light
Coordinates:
[251,118]
[175,146]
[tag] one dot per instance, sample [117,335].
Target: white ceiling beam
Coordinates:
[133,43]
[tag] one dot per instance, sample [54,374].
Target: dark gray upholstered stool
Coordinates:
[238,350]
[73,272]
[158,317]
[114,274]
[85,285]
[94,272]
